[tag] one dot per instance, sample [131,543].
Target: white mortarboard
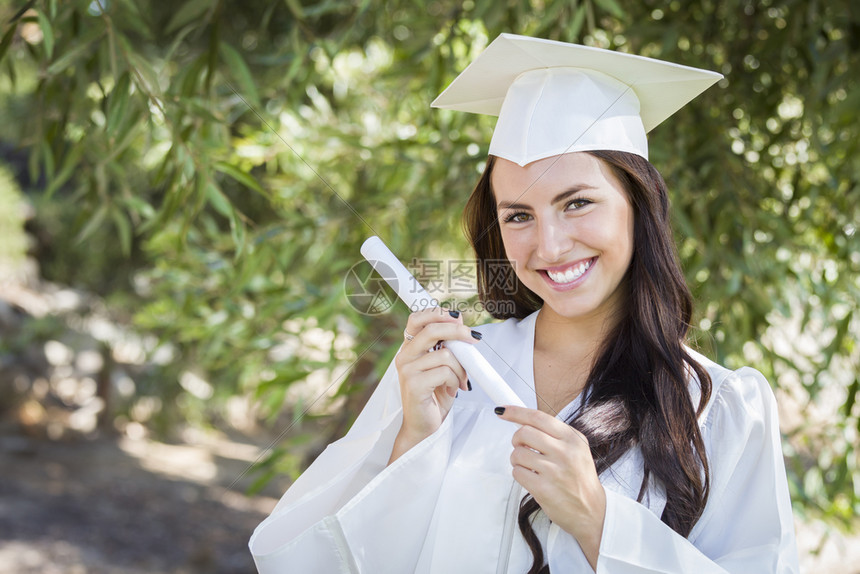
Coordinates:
[554,97]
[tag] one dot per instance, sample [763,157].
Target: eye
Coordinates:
[517,217]
[578,203]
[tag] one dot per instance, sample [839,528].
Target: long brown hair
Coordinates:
[637,391]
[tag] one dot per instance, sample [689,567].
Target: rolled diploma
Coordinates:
[413,294]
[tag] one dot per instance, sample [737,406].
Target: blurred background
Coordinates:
[184,187]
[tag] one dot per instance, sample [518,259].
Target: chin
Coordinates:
[577,307]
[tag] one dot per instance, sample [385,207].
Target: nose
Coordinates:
[554,240]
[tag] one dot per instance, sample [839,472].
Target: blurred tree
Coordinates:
[215,167]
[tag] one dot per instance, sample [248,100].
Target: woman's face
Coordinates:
[567,227]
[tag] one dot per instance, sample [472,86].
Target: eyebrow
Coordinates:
[560,197]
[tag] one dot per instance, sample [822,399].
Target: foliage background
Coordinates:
[209,171]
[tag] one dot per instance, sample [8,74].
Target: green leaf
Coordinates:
[47,34]
[70,164]
[245,179]
[191,10]
[241,73]
[125,140]
[261,481]
[133,20]
[296,8]
[123,228]
[147,76]
[118,103]
[48,155]
[139,206]
[22,11]
[70,57]
[7,39]
[177,41]
[13,75]
[578,21]
[841,331]
[94,223]
[190,78]
[237,231]
[202,108]
[853,390]
[611,6]
[219,201]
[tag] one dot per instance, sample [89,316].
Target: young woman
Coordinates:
[635,454]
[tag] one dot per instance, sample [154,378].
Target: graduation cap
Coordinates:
[554,97]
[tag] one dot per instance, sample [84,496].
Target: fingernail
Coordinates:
[457,395]
[454,314]
[477,335]
[468,384]
[499,410]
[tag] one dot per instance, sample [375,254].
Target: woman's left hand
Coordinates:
[553,463]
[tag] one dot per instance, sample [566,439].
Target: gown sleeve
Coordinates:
[747,525]
[348,508]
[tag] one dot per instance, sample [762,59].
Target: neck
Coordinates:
[578,340]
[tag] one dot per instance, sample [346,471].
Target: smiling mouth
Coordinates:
[570,274]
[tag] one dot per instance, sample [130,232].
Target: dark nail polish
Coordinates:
[457,395]
[477,335]
[499,410]
[469,384]
[454,314]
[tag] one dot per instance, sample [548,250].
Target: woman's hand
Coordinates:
[429,381]
[552,461]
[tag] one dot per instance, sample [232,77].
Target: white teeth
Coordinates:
[571,274]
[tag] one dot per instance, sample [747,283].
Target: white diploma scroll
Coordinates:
[417,299]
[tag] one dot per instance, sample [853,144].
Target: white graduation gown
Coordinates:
[449,505]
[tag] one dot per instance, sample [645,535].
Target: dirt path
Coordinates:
[130,507]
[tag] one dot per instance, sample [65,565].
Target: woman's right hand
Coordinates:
[429,379]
